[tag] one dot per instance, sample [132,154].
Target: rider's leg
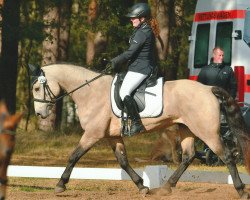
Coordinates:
[136,124]
[131,81]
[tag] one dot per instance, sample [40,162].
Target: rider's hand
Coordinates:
[114,63]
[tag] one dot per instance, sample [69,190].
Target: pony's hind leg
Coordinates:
[118,147]
[83,147]
[228,159]
[222,151]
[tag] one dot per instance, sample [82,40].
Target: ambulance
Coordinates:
[224,23]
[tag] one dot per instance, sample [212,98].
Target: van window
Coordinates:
[201,45]
[224,39]
[246,34]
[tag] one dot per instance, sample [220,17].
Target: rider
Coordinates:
[140,58]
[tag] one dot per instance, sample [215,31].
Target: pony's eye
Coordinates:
[36,89]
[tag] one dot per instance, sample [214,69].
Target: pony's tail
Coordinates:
[235,121]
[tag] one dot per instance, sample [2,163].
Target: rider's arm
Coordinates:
[135,45]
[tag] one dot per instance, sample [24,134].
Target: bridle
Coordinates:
[53,99]
[46,90]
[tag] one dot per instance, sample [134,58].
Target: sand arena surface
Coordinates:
[29,189]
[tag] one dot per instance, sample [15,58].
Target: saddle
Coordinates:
[148,96]
[138,94]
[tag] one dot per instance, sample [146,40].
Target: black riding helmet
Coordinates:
[139,10]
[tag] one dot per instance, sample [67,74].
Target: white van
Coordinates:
[224,23]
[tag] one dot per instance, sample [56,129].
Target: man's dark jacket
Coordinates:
[221,75]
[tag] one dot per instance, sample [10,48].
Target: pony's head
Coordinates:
[8,124]
[45,89]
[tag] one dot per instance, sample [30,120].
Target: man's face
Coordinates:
[218,56]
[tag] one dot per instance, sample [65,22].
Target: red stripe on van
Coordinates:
[239,72]
[194,78]
[219,15]
[247,87]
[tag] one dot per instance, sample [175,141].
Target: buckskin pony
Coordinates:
[185,101]
[8,125]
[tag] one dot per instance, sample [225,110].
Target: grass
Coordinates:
[53,149]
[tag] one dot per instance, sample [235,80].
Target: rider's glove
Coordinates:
[115,63]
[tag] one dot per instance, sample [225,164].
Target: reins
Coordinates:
[55,99]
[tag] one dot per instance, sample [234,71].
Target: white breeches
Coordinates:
[131,81]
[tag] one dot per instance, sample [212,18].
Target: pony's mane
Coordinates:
[73,65]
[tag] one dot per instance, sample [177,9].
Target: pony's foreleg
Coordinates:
[85,144]
[188,156]
[118,147]
[74,157]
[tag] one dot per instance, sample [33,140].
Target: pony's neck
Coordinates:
[68,76]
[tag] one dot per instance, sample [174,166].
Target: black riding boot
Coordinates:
[136,124]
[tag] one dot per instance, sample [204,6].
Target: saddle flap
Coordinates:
[151,96]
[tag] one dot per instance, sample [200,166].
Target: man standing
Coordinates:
[219,74]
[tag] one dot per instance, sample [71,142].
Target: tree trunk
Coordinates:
[169,14]
[92,14]
[9,53]
[1,5]
[96,42]
[55,48]
[160,11]
[66,110]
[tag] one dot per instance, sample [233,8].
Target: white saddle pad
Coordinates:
[153,103]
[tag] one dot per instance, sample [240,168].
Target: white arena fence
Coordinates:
[154,176]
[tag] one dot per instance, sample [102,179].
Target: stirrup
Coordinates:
[124,124]
[130,132]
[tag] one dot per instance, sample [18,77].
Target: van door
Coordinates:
[201,45]
[224,40]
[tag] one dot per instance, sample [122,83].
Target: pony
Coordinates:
[8,124]
[185,101]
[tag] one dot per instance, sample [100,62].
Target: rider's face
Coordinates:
[136,21]
[218,56]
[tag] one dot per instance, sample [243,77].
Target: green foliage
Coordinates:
[110,21]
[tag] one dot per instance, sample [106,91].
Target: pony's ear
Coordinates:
[34,69]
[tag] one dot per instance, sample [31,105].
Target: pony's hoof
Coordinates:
[245,195]
[164,191]
[60,189]
[144,191]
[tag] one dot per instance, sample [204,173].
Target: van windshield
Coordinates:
[201,45]
[246,35]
